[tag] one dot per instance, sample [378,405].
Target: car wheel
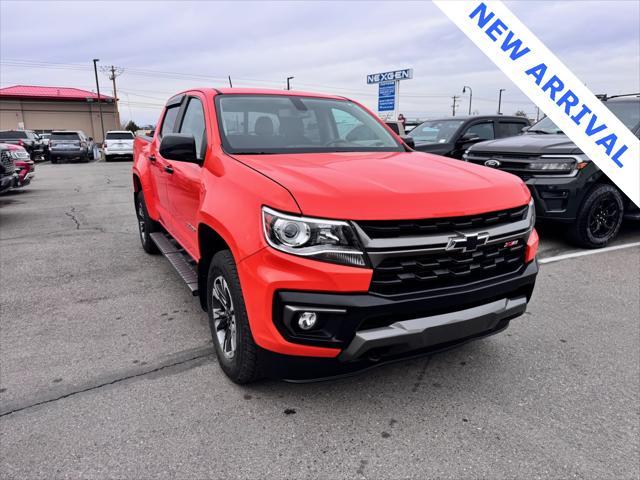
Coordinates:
[146,226]
[235,348]
[599,218]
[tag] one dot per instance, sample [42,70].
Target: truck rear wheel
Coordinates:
[236,351]
[146,226]
[599,218]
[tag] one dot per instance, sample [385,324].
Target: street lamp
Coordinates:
[288,84]
[464,89]
[500,99]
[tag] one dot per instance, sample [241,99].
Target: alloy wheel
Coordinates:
[224,318]
[604,217]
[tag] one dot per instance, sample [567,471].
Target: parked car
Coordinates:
[567,186]
[70,145]
[401,128]
[318,251]
[25,167]
[44,138]
[24,138]
[118,143]
[452,136]
[8,173]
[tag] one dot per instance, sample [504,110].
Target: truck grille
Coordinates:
[7,163]
[407,228]
[426,271]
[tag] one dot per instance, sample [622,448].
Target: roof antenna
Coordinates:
[230,84]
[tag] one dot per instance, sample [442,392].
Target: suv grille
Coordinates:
[399,275]
[406,228]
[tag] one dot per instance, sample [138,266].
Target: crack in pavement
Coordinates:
[73,217]
[49,396]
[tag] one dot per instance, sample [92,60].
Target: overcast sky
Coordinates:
[326,46]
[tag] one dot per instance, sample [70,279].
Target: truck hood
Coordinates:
[532,143]
[389,185]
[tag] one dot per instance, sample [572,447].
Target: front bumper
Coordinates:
[357,329]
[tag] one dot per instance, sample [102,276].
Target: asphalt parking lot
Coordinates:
[106,368]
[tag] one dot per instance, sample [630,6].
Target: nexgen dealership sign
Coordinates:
[552,87]
[404,74]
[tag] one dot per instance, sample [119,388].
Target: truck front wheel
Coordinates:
[599,217]
[146,226]
[236,351]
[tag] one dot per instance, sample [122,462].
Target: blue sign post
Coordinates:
[389,89]
[386,96]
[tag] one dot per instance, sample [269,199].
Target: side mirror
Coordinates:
[469,138]
[411,143]
[91,139]
[180,147]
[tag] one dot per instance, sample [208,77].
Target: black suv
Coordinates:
[27,139]
[566,185]
[451,136]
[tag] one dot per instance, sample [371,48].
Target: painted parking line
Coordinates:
[567,256]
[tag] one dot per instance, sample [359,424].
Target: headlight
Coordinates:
[332,241]
[559,164]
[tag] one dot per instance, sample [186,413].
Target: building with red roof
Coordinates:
[43,109]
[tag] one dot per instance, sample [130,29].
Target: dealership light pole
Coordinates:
[289,84]
[95,70]
[500,99]
[453,105]
[464,89]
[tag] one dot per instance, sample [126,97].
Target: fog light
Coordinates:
[307,320]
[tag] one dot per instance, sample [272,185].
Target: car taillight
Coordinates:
[532,247]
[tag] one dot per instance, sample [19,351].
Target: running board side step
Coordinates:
[178,258]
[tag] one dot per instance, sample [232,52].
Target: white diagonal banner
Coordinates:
[552,87]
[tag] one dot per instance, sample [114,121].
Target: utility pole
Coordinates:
[288,84]
[95,70]
[230,84]
[464,89]
[537,114]
[113,72]
[500,99]
[453,106]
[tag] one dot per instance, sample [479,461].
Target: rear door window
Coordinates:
[13,134]
[169,120]
[510,129]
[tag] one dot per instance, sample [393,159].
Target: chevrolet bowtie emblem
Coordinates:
[468,243]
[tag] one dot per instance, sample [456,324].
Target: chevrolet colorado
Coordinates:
[318,242]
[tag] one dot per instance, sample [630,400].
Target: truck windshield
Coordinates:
[263,124]
[627,112]
[435,131]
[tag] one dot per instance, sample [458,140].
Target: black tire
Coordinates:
[242,366]
[54,160]
[85,158]
[146,225]
[599,218]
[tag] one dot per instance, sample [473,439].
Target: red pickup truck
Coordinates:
[318,242]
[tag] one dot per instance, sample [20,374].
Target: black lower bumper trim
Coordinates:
[313,369]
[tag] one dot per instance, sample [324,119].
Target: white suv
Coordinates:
[118,143]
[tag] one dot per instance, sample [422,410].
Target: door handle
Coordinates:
[168,169]
[152,158]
